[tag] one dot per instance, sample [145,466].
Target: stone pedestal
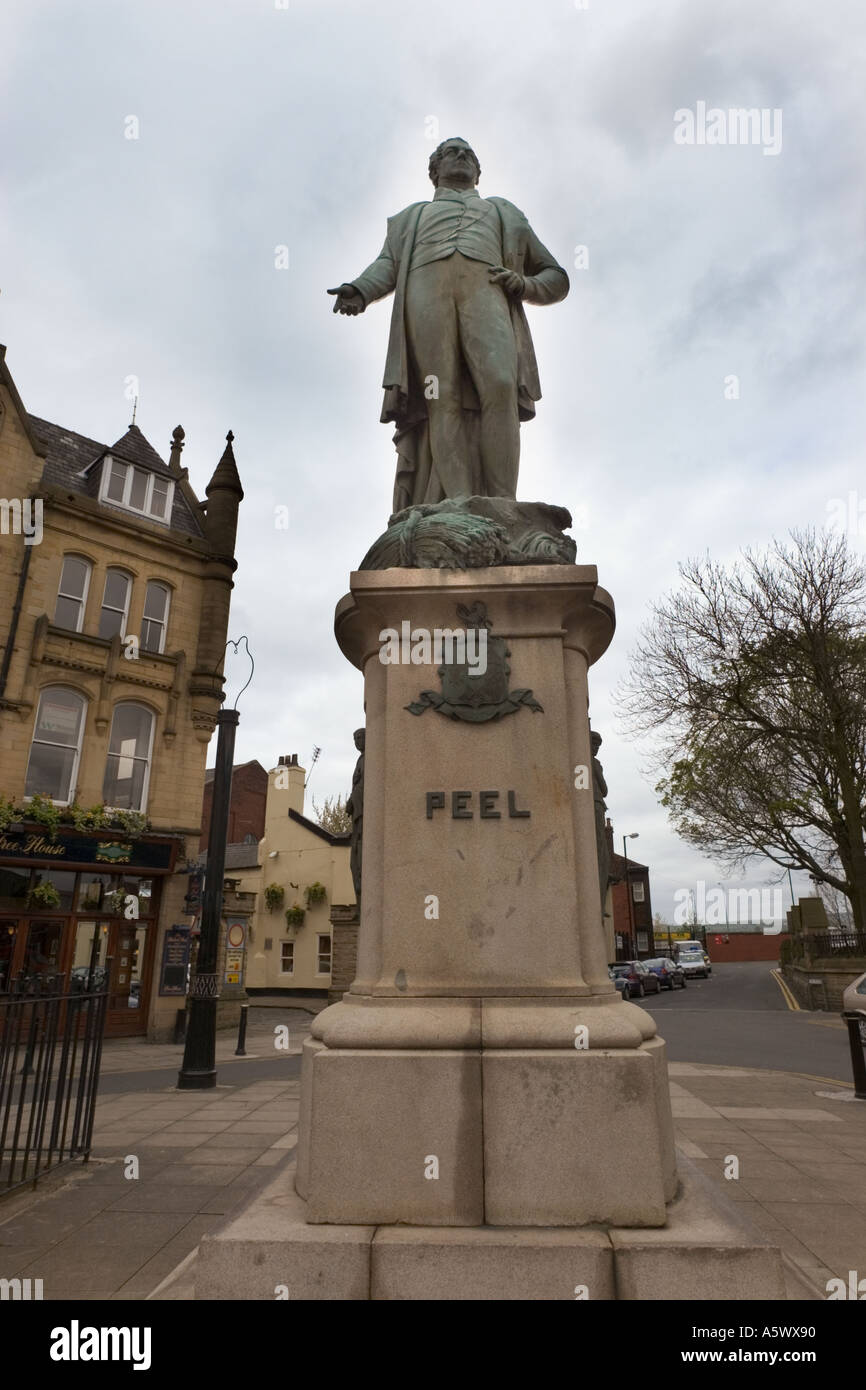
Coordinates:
[482,1039]
[481,1114]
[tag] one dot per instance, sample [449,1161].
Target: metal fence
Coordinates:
[51,1034]
[836,943]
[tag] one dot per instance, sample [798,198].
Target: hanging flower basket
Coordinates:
[315,893]
[295,915]
[44,895]
[274,896]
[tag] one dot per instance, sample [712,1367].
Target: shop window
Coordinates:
[287,957]
[142,889]
[115,603]
[56,745]
[155,619]
[91,949]
[42,949]
[93,891]
[128,767]
[72,593]
[323,956]
[13,889]
[61,879]
[8,932]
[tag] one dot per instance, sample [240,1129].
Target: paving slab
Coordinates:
[159,1197]
[90,1232]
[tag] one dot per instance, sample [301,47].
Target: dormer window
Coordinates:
[136,489]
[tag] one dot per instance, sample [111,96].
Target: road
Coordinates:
[739,1018]
[736,1018]
[233,1073]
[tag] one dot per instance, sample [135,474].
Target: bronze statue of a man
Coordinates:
[355,808]
[599,792]
[460,374]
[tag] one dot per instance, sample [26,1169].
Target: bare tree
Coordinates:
[836,906]
[754,679]
[333,815]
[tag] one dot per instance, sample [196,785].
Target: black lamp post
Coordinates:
[198,1071]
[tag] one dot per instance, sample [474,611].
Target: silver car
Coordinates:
[690,959]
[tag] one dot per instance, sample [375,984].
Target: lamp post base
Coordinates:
[198,1072]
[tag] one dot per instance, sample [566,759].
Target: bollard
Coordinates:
[855,1018]
[240,1050]
[180,1025]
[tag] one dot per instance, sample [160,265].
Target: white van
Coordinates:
[690,958]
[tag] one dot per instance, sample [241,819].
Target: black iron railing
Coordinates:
[848,943]
[51,1034]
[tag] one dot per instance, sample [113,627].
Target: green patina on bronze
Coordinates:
[464,533]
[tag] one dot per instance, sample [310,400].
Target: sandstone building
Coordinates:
[315,952]
[113,626]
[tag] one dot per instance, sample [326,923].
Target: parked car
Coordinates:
[690,959]
[80,975]
[671,975]
[621,983]
[640,980]
[854,997]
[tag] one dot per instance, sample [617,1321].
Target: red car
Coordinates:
[640,980]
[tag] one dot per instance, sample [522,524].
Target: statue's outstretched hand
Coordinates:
[348,301]
[511,282]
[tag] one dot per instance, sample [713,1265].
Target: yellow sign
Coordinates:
[234,967]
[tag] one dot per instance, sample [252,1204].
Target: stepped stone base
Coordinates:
[705,1251]
[567,1138]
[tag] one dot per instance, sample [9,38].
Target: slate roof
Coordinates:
[237,857]
[134,448]
[343,838]
[617,866]
[67,454]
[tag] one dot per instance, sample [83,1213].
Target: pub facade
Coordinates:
[103,914]
[113,622]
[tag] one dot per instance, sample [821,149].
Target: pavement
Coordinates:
[170,1166]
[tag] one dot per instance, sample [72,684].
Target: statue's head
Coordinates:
[451,157]
[595,740]
[359,739]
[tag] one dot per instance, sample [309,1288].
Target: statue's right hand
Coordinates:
[348,301]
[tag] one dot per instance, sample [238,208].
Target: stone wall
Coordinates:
[344,949]
[819,985]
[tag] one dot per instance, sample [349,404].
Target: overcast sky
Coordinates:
[306,126]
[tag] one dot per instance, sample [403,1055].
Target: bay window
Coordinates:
[56,746]
[127,770]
